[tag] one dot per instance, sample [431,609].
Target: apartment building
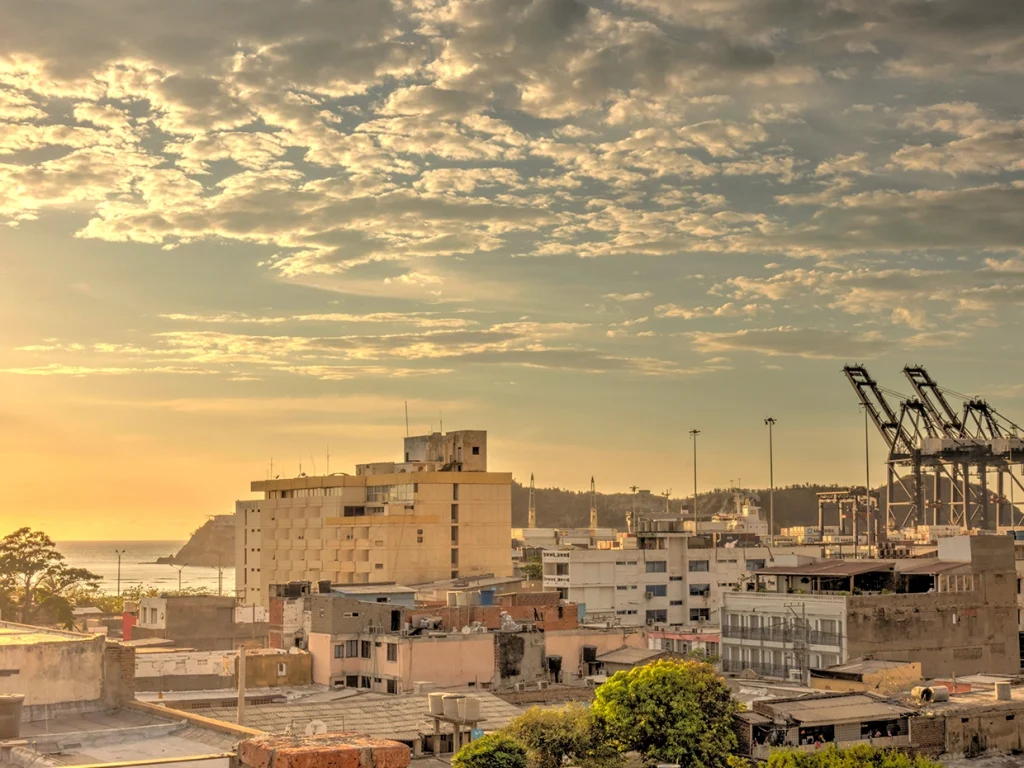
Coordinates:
[437,515]
[376,647]
[664,575]
[955,614]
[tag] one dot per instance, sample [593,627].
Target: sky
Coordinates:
[235,232]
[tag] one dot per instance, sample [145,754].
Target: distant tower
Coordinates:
[532,522]
[593,505]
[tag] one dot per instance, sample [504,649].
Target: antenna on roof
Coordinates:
[406,418]
[313,461]
[441,427]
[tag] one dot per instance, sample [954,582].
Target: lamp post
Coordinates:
[180,569]
[696,517]
[770,422]
[119,552]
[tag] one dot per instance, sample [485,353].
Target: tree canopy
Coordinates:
[35,582]
[553,735]
[670,712]
[860,756]
[495,750]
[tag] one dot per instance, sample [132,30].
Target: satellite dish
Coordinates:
[466,630]
[316,727]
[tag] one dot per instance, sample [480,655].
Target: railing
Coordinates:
[734,666]
[783,634]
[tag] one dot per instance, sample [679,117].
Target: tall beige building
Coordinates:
[439,514]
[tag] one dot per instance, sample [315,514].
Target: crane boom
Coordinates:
[934,400]
[879,411]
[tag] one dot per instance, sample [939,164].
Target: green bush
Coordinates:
[495,750]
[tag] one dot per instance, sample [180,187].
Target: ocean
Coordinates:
[139,566]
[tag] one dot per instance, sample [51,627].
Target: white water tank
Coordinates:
[451,705]
[469,708]
[436,702]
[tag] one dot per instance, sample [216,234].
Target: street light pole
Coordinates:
[696,517]
[119,552]
[770,422]
[180,569]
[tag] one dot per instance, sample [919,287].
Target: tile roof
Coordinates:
[838,709]
[629,656]
[829,568]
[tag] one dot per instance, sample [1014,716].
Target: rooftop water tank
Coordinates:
[451,705]
[469,709]
[436,702]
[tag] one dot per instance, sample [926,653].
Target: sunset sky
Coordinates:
[235,230]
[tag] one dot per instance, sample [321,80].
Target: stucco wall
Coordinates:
[322,651]
[210,670]
[66,668]
[450,661]
[569,645]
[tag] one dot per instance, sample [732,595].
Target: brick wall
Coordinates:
[928,734]
[530,598]
[118,674]
[546,617]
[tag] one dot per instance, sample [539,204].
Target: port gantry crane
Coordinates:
[927,434]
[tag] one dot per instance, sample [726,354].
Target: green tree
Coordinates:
[669,712]
[861,756]
[495,750]
[533,569]
[552,735]
[35,581]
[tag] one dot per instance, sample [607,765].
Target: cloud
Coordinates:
[797,342]
[638,296]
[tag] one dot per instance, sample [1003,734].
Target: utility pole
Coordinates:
[241,686]
[220,576]
[696,517]
[119,552]
[770,422]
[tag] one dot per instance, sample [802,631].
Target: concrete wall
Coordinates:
[52,667]
[1000,729]
[569,645]
[202,622]
[518,658]
[321,648]
[546,617]
[213,670]
[450,661]
[949,633]
[336,615]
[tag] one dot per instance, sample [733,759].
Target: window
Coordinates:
[455,492]
[455,534]
[364,649]
[339,651]
[378,566]
[476,450]
[351,681]
[698,566]
[392,651]
[282,669]
[364,682]
[755,565]
[623,588]
[675,602]
[392,686]
[700,614]
[354,511]
[657,566]
[455,558]
[700,590]
[657,590]
[675,578]
[660,615]
[455,513]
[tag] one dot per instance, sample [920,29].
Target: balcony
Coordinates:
[783,634]
[780,671]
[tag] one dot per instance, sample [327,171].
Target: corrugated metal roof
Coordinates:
[629,656]
[840,709]
[829,568]
[374,714]
[928,567]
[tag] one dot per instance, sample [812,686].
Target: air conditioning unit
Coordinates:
[796,676]
[649,595]
[520,686]
[650,622]
[542,684]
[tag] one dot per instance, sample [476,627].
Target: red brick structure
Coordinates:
[544,616]
[334,750]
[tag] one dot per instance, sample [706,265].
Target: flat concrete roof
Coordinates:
[23,634]
[110,737]
[371,589]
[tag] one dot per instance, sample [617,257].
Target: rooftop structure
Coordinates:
[953,614]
